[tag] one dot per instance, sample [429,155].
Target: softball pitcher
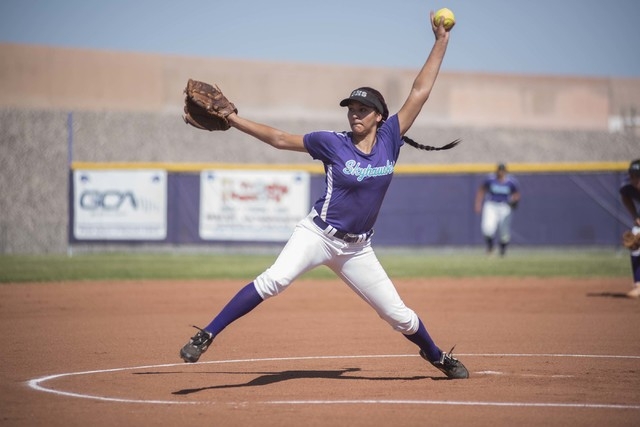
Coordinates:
[496,199]
[337,232]
[630,196]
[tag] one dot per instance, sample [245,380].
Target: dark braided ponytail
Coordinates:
[419,146]
[411,142]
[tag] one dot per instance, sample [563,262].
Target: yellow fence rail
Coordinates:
[400,169]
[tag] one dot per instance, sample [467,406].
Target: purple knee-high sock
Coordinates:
[422,339]
[243,302]
[635,267]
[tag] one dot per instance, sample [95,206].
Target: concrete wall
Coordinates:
[33,181]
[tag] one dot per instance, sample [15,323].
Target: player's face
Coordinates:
[362,118]
[635,181]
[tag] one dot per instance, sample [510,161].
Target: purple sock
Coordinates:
[243,302]
[422,339]
[635,267]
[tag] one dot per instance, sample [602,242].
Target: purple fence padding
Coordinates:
[183,208]
[557,209]
[427,210]
[570,209]
[581,209]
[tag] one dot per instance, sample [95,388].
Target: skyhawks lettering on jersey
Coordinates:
[356,183]
[500,192]
[353,168]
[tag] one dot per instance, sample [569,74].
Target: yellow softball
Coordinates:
[449,18]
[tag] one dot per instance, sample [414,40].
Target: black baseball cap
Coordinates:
[364,96]
[634,168]
[502,167]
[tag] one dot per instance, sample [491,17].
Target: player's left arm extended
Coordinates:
[267,134]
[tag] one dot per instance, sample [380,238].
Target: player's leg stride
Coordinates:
[451,367]
[197,345]
[243,302]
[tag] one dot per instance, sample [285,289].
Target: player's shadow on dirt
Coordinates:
[266,378]
[608,294]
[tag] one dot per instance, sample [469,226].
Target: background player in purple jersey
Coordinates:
[337,233]
[496,199]
[630,195]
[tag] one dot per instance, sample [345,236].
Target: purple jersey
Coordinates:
[500,191]
[356,183]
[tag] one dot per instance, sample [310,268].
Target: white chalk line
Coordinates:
[36,384]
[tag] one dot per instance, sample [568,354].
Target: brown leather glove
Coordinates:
[205,106]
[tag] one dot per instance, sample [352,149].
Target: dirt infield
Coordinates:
[540,352]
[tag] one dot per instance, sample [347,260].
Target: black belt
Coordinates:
[347,237]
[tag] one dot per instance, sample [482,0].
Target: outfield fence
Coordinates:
[562,204]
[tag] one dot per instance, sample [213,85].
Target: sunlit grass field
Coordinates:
[398,263]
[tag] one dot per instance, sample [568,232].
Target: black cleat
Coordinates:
[451,367]
[197,345]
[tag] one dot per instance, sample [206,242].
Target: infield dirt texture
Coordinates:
[541,351]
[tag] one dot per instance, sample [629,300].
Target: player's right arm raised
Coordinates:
[425,79]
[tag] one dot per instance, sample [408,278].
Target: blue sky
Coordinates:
[569,37]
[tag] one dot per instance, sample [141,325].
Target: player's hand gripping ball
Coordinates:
[449,18]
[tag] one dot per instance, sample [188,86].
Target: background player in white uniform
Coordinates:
[630,195]
[496,199]
[337,233]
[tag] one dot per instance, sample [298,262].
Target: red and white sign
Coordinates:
[252,205]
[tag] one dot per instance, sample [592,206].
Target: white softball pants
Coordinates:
[355,263]
[496,218]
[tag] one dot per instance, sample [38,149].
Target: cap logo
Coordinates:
[359,92]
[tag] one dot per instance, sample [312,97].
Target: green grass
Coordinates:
[406,263]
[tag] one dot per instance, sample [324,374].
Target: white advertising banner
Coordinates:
[252,205]
[120,205]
